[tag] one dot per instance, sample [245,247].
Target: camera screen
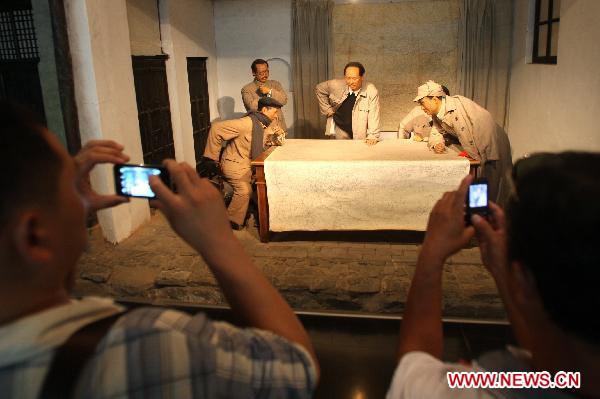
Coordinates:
[478,196]
[134,181]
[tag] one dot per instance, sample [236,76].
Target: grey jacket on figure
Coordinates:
[474,127]
[481,137]
[365,114]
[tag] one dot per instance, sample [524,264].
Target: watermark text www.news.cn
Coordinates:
[516,379]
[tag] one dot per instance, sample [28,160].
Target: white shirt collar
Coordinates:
[355,92]
[38,333]
[442,110]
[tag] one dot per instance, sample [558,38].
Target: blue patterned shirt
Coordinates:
[155,353]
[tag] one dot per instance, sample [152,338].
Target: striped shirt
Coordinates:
[155,353]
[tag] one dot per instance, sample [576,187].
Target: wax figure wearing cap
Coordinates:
[261,87]
[417,124]
[475,129]
[246,137]
[351,106]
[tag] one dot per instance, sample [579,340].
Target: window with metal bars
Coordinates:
[545,33]
[17,33]
[19,57]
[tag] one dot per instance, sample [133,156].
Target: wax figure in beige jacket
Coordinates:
[246,138]
[417,124]
[261,87]
[351,106]
[476,130]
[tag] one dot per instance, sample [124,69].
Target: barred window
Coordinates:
[545,34]
[17,33]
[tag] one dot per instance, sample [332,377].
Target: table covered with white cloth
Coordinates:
[347,185]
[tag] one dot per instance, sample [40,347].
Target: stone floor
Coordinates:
[354,272]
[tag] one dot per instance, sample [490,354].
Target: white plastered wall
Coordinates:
[187,30]
[553,107]
[246,30]
[105,96]
[179,29]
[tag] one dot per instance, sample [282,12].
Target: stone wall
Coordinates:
[144,27]
[401,45]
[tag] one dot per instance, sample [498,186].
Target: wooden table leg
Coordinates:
[261,191]
[474,167]
[263,204]
[473,171]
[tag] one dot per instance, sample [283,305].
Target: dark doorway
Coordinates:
[19,58]
[154,112]
[196,68]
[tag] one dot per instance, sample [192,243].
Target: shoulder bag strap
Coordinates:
[71,357]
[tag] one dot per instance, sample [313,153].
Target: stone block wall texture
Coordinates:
[401,45]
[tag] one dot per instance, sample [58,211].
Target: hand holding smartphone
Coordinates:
[133,180]
[477,199]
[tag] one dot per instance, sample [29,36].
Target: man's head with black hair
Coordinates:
[260,70]
[354,75]
[554,230]
[32,167]
[42,215]
[354,64]
[258,61]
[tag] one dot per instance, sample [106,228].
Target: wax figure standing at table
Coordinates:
[351,106]
[261,87]
[475,128]
[246,138]
[416,124]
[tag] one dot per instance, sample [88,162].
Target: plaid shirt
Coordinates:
[155,353]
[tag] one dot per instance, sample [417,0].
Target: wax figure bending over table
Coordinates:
[351,106]
[261,87]
[246,138]
[475,128]
[148,351]
[547,282]
[417,124]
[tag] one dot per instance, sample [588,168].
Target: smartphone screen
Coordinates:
[477,199]
[133,180]
[478,196]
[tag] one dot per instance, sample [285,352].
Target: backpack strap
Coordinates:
[71,357]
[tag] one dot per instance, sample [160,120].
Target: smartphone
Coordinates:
[132,180]
[477,199]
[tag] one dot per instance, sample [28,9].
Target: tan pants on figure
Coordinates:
[239,176]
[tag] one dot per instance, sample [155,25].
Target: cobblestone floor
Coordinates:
[365,272]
